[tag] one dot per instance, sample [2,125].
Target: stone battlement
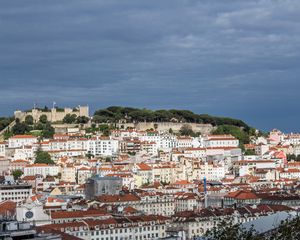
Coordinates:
[53,115]
[165,126]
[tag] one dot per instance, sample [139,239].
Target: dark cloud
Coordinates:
[234,58]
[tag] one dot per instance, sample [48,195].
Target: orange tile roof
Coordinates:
[242,195]
[22,136]
[77,214]
[118,198]
[144,167]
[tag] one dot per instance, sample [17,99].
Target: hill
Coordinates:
[224,125]
[116,113]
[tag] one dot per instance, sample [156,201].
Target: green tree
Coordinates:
[43,119]
[249,152]
[82,119]
[186,130]
[47,130]
[291,157]
[43,157]
[235,131]
[70,118]
[4,122]
[288,230]
[20,128]
[17,174]
[226,230]
[105,129]
[29,120]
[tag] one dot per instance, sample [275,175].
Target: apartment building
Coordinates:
[15,192]
[18,141]
[41,169]
[104,146]
[125,228]
[220,141]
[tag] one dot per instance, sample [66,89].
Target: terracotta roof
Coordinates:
[144,167]
[29,178]
[105,223]
[77,214]
[182,182]
[118,198]
[22,136]
[52,200]
[242,195]
[19,161]
[8,208]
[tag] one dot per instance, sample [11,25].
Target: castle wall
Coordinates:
[53,115]
[165,126]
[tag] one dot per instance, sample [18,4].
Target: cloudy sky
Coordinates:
[236,58]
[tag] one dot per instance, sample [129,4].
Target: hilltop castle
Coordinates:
[53,114]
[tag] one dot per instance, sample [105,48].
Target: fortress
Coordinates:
[54,114]
[165,126]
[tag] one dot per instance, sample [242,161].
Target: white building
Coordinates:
[25,152]
[212,172]
[18,141]
[184,142]
[186,202]
[291,173]
[168,142]
[151,137]
[131,227]
[32,212]
[104,146]
[2,149]
[195,152]
[41,169]
[68,174]
[220,141]
[149,147]
[15,192]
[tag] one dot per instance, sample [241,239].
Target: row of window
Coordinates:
[15,193]
[96,233]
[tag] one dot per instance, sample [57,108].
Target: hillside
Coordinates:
[224,125]
[116,113]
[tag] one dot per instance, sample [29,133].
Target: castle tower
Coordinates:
[84,111]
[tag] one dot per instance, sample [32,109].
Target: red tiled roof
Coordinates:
[242,195]
[118,198]
[23,136]
[77,214]
[8,208]
[144,167]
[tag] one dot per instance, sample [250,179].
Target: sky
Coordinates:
[235,58]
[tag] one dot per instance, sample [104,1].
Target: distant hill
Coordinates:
[225,125]
[116,113]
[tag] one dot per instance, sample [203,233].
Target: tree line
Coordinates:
[41,128]
[224,125]
[116,113]
[5,121]
[227,230]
